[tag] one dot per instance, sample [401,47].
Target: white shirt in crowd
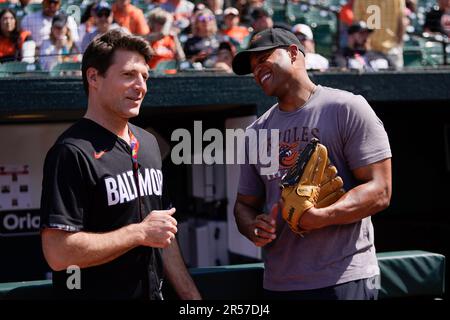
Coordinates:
[315,61]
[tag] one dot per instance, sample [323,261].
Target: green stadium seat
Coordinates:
[33,7]
[324,38]
[413,57]
[66,68]
[14,68]
[433,53]
[166,67]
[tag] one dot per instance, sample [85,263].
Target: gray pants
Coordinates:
[363,289]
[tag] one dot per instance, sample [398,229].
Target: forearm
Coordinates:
[177,273]
[85,249]
[245,216]
[179,49]
[357,204]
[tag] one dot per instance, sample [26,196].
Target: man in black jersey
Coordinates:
[101,195]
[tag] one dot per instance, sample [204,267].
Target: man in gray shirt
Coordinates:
[336,258]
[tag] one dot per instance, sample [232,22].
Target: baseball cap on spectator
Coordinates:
[232,11]
[264,40]
[102,6]
[304,30]
[59,20]
[359,26]
[259,13]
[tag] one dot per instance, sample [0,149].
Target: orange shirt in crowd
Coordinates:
[165,49]
[8,48]
[132,18]
[238,33]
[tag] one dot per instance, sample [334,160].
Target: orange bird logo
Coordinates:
[288,154]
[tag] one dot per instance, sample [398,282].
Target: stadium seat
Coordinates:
[166,67]
[413,57]
[66,68]
[14,68]
[433,53]
[324,38]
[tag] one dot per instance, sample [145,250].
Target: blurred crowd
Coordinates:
[207,34]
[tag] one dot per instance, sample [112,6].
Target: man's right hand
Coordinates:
[158,228]
[262,230]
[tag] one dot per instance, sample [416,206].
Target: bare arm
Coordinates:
[84,249]
[179,48]
[372,196]
[177,273]
[248,215]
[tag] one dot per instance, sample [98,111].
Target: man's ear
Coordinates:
[92,77]
[293,52]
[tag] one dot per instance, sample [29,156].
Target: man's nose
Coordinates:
[140,84]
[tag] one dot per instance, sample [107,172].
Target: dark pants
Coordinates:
[364,289]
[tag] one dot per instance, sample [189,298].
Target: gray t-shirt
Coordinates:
[355,137]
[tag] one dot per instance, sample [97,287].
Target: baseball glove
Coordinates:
[311,182]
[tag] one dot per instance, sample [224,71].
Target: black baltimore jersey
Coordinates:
[90,184]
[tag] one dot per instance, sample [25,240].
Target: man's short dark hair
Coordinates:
[100,52]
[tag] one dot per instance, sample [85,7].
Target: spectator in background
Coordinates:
[130,17]
[445,21]
[246,8]
[163,40]
[216,6]
[12,38]
[232,29]
[346,20]
[411,5]
[357,54]
[410,13]
[261,19]
[39,23]
[313,60]
[225,56]
[388,36]
[60,47]
[436,20]
[103,22]
[21,7]
[204,42]
[87,23]
[182,11]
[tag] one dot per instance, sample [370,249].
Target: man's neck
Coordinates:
[297,96]
[116,125]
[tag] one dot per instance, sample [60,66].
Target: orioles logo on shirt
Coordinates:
[288,154]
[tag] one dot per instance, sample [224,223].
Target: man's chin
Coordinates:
[132,112]
[268,91]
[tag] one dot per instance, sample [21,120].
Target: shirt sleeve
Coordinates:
[365,139]
[64,194]
[250,182]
